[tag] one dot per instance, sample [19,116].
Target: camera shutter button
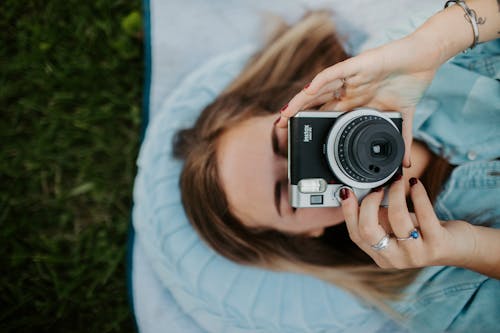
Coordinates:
[336,194]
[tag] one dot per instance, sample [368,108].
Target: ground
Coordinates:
[71,77]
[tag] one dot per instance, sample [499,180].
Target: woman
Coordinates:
[394,77]
[234,181]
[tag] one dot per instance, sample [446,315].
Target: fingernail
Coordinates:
[397,177]
[344,193]
[413,181]
[284,107]
[377,189]
[277,121]
[307,85]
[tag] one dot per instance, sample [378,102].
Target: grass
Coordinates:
[70,93]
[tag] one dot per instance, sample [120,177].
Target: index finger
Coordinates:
[350,209]
[369,227]
[337,72]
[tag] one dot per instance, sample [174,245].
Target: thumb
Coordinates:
[407,134]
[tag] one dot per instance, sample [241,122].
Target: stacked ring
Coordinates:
[414,234]
[382,244]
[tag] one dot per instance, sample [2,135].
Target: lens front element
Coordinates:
[364,148]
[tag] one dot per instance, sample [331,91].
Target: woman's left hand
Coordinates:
[433,243]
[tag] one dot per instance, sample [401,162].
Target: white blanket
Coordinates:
[184,34]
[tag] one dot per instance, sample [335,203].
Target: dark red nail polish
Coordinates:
[397,177]
[307,85]
[284,107]
[277,121]
[377,189]
[413,181]
[344,193]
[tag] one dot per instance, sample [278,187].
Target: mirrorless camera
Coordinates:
[360,149]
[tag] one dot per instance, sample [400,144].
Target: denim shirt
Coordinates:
[459,118]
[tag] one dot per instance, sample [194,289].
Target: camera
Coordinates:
[361,149]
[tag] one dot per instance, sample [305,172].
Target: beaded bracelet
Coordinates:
[471,17]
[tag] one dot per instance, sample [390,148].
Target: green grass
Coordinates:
[71,76]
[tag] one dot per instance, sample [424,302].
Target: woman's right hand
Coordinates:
[414,240]
[392,77]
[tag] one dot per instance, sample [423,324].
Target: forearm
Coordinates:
[449,32]
[485,258]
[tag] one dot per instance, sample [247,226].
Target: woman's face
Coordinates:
[252,165]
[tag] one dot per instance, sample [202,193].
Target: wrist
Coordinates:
[428,47]
[457,245]
[447,33]
[480,248]
[466,245]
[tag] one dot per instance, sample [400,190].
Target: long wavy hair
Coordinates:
[290,59]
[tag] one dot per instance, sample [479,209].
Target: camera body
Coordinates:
[360,149]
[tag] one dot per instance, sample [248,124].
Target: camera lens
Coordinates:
[367,149]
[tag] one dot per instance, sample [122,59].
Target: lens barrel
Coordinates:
[364,148]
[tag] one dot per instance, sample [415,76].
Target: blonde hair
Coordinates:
[288,61]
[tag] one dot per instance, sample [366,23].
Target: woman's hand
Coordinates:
[392,77]
[451,243]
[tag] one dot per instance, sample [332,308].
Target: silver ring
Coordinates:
[382,244]
[414,234]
